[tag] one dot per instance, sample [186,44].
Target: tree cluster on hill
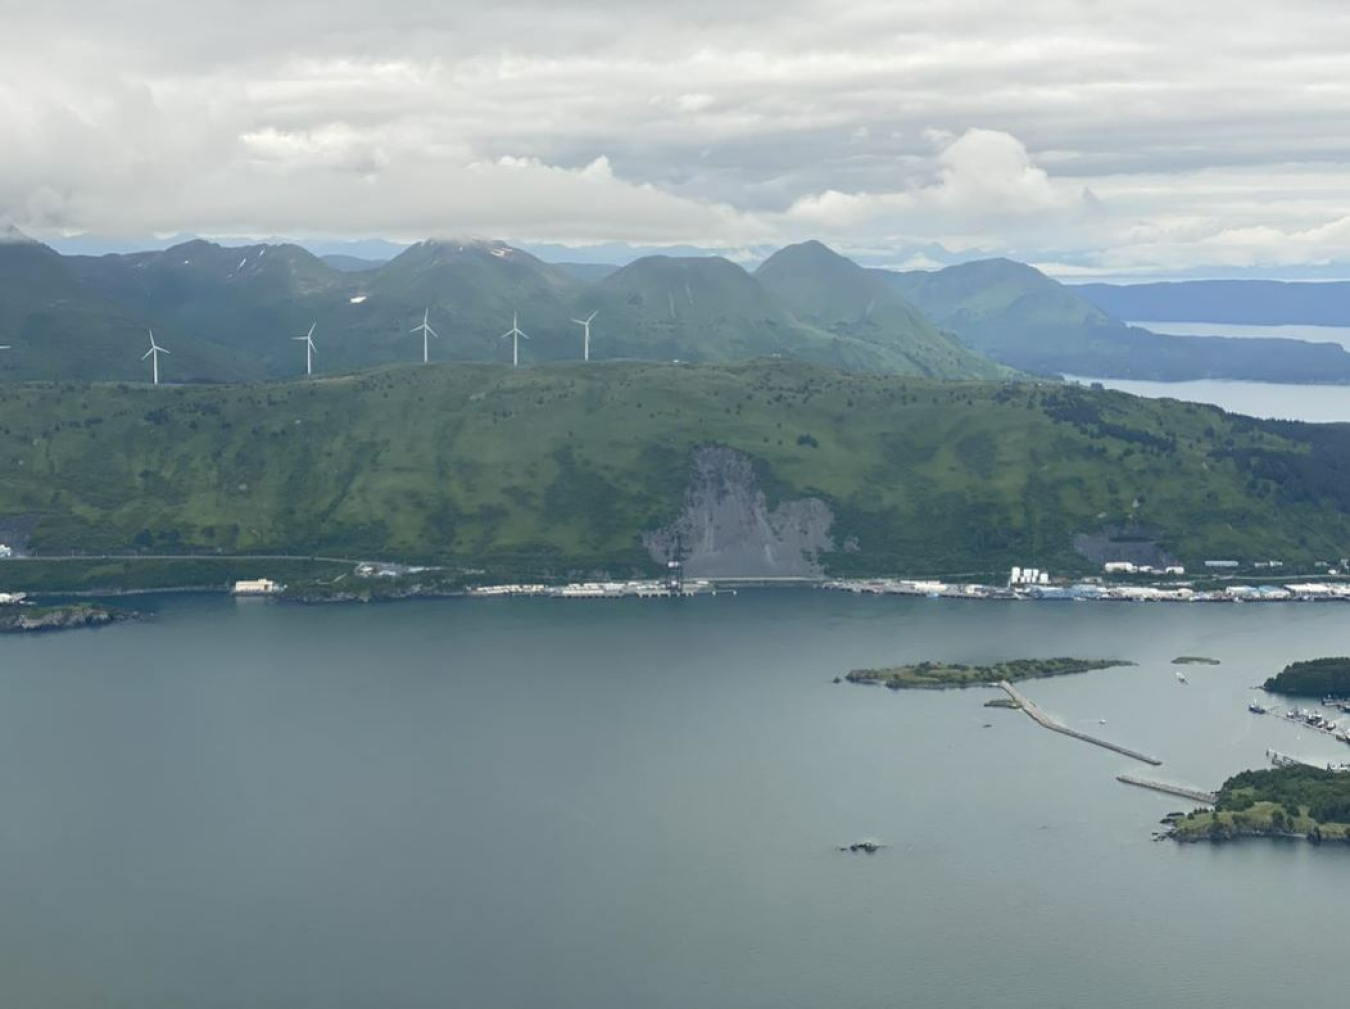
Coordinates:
[1325,795]
[1329,677]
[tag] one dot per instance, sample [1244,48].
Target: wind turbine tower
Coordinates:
[153,353]
[514,334]
[426,330]
[308,340]
[586,325]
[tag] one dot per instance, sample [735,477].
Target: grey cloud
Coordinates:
[1203,129]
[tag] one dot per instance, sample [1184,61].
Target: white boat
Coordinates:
[1181,677]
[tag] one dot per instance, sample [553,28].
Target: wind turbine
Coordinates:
[586,325]
[308,340]
[153,353]
[426,331]
[515,333]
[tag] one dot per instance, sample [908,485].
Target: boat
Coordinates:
[1257,708]
[1181,677]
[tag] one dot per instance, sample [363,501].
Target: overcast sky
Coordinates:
[1127,138]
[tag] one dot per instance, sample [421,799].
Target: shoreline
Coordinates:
[1078,592]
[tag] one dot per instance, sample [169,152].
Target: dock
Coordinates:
[1044,720]
[1208,798]
[1284,760]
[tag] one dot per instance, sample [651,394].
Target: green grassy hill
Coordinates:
[1018,315]
[824,289]
[58,326]
[561,467]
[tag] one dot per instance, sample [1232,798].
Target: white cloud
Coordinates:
[694,102]
[981,190]
[989,173]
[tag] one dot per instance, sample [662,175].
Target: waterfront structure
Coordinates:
[257,587]
[1028,576]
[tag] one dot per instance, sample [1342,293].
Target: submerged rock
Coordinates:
[866,847]
[23,619]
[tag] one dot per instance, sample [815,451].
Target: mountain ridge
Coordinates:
[1018,315]
[564,467]
[235,309]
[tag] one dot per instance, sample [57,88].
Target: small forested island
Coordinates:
[1314,678]
[940,675]
[1280,802]
[1194,660]
[25,619]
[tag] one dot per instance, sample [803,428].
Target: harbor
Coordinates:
[1018,589]
[1043,589]
[1278,759]
[648,589]
[1318,722]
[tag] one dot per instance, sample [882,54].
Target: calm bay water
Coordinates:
[636,803]
[1313,334]
[1318,404]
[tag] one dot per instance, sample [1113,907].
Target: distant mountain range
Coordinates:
[228,313]
[1239,302]
[1021,317]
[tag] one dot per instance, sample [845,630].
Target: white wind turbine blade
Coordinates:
[591,319]
[147,353]
[433,333]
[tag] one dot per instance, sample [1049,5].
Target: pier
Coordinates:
[1208,798]
[1044,720]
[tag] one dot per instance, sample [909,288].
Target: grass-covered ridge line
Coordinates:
[1281,801]
[561,468]
[1313,678]
[940,675]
